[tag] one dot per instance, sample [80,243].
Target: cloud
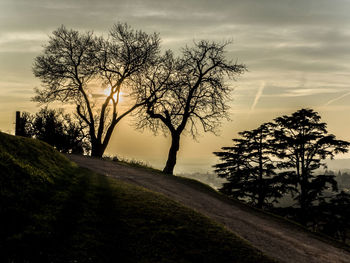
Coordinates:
[22,42]
[277,40]
[337,98]
[258,95]
[298,92]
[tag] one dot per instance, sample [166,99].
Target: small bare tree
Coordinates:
[188,92]
[74,63]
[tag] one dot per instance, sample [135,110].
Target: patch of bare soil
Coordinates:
[278,240]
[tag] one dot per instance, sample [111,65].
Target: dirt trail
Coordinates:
[280,241]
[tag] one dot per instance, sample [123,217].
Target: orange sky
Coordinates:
[297,54]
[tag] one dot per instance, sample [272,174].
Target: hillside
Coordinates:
[54,211]
[280,239]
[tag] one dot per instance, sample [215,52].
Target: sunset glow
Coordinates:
[175,131]
[297,54]
[107,92]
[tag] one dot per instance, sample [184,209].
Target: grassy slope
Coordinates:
[259,212]
[53,211]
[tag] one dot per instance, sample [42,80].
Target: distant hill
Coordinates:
[214,181]
[54,211]
[338,164]
[210,179]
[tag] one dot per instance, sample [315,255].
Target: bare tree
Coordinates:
[188,92]
[75,66]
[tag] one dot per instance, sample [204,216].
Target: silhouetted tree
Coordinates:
[75,67]
[303,142]
[187,92]
[249,168]
[57,129]
[334,219]
[25,124]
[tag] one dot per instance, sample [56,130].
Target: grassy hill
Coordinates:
[54,211]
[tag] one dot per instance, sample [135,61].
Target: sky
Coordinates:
[297,53]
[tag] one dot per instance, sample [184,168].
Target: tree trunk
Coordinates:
[261,200]
[175,145]
[304,205]
[97,149]
[261,197]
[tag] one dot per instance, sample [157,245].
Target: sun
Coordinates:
[107,92]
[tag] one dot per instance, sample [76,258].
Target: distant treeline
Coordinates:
[341,176]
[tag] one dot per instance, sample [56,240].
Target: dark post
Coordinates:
[18,131]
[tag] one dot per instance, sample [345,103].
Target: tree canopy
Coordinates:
[174,94]
[281,156]
[303,142]
[77,67]
[58,129]
[249,168]
[189,92]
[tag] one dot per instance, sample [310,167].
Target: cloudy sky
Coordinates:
[297,53]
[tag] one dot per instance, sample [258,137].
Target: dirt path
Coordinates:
[280,241]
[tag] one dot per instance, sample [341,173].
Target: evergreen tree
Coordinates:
[249,168]
[334,216]
[302,142]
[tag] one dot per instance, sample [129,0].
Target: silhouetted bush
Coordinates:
[57,129]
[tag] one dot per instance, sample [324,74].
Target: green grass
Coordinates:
[54,211]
